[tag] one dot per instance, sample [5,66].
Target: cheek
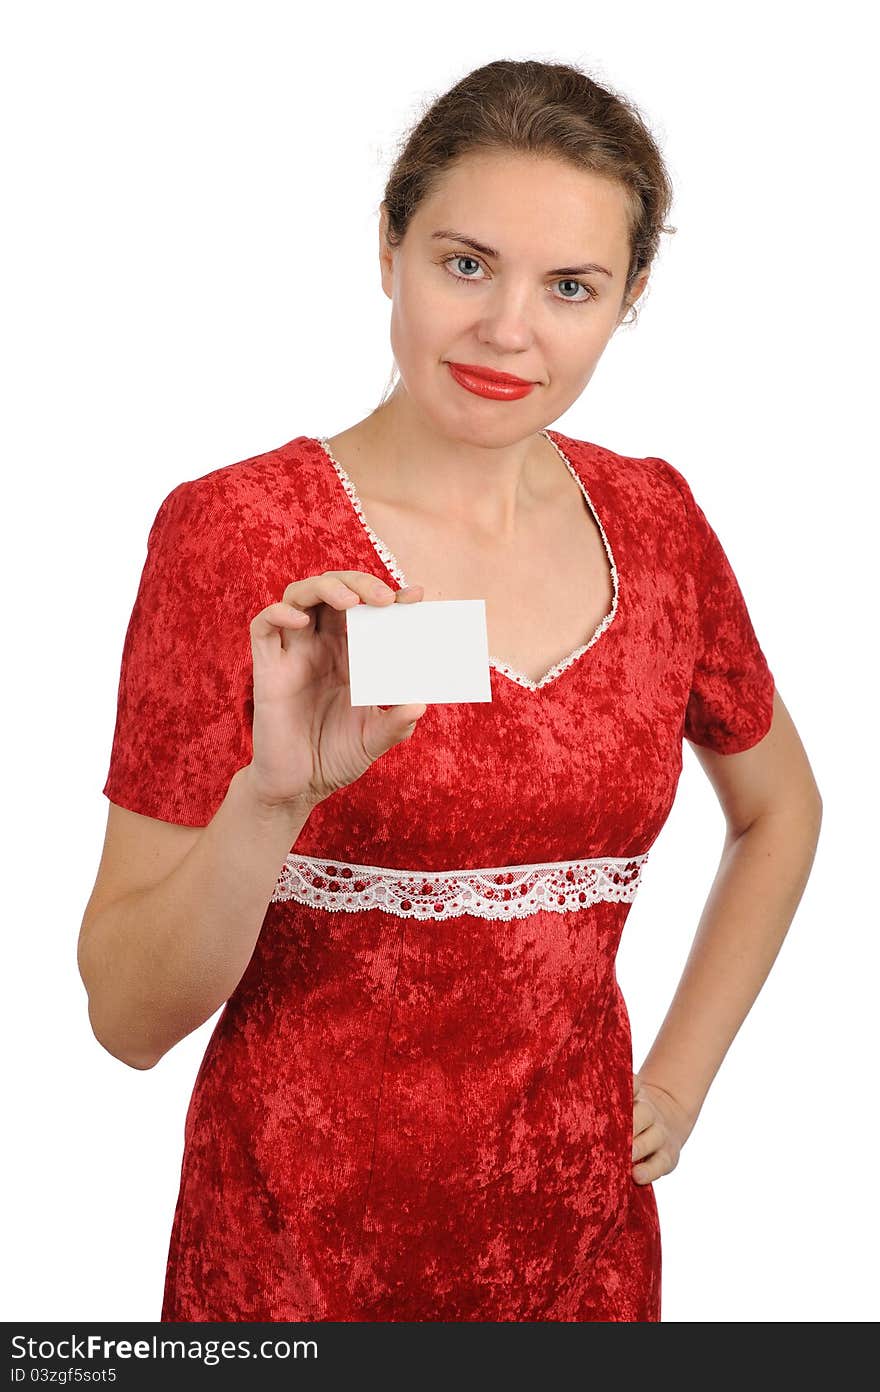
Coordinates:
[578,351]
[424,322]
[569,367]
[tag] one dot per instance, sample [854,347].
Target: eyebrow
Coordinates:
[447,236]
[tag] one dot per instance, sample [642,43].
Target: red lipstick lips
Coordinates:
[482,381]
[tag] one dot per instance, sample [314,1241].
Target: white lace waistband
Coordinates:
[506,891]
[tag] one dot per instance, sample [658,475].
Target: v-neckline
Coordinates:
[394,569]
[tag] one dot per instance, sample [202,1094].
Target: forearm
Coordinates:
[160,961]
[753,899]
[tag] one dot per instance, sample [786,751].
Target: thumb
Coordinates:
[637,1085]
[398,722]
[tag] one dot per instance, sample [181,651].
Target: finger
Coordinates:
[644,1113]
[390,725]
[339,589]
[408,714]
[648,1141]
[373,589]
[660,1163]
[329,589]
[268,624]
[647,1171]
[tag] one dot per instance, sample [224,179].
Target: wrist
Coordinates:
[287,810]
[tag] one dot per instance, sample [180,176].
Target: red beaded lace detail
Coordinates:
[507,891]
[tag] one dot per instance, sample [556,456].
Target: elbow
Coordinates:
[134,1058]
[139,1061]
[133,1061]
[120,1051]
[799,814]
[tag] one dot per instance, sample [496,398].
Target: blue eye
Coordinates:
[463,279]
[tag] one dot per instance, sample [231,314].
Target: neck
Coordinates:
[487,487]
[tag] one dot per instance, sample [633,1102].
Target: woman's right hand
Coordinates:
[308,739]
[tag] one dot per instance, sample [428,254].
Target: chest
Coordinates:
[546,591]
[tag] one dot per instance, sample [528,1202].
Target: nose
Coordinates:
[506,322]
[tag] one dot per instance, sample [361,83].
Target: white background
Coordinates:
[191,279]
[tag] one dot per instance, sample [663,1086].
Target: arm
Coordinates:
[158,960]
[773,811]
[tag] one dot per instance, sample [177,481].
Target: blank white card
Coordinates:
[434,650]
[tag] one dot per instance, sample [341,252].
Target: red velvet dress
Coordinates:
[417,1104]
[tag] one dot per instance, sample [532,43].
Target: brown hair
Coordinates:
[538,108]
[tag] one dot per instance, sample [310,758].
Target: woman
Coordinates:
[418,1102]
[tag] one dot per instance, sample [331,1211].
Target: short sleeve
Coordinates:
[184,717]
[730,704]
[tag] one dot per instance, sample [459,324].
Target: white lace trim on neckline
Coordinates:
[392,565]
[501,892]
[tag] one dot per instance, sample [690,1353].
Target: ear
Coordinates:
[638,287]
[641,281]
[386,260]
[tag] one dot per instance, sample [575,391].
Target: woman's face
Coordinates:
[521,305]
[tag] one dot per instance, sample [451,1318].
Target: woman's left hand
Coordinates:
[661,1125]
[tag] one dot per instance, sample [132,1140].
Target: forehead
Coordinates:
[529,206]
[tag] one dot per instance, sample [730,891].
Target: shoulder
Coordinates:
[254,501]
[243,523]
[261,480]
[646,484]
